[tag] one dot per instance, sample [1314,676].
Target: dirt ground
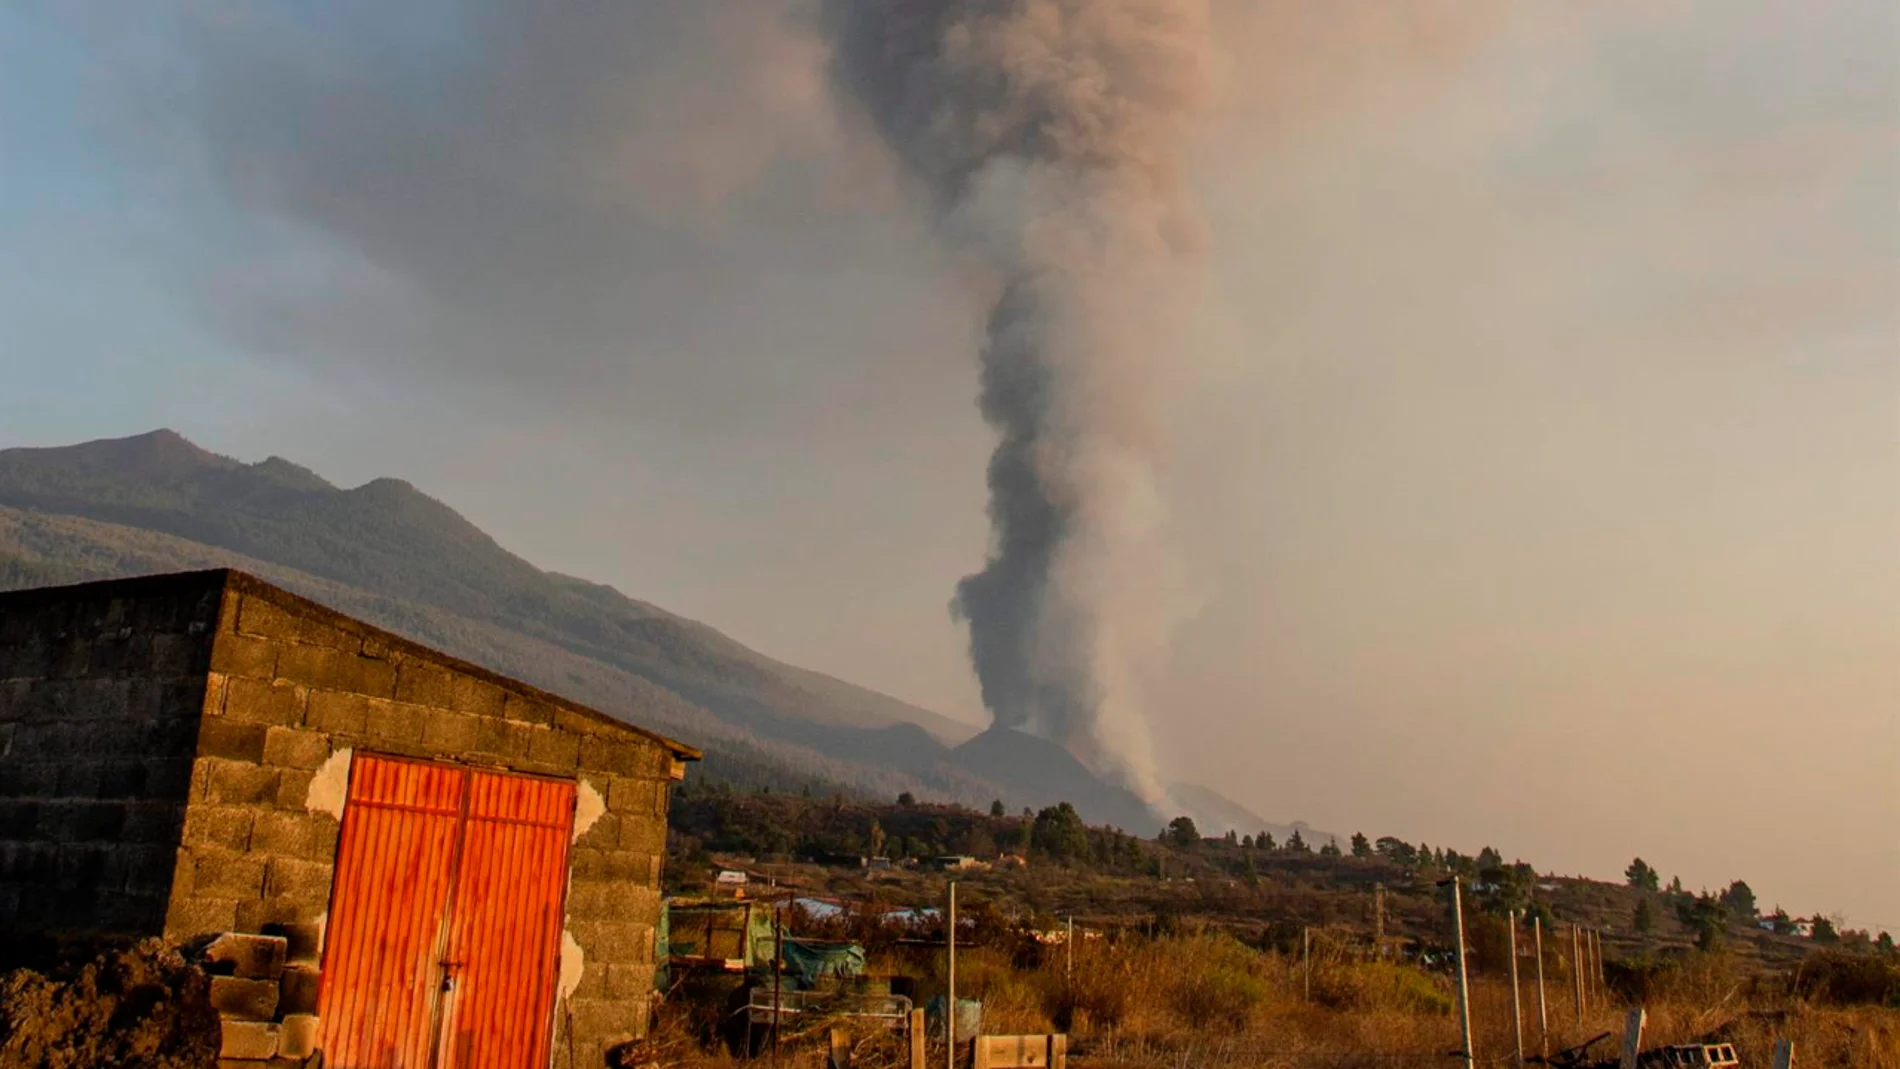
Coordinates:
[137,1007]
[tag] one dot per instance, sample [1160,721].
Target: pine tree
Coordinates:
[1360,847]
[1641,876]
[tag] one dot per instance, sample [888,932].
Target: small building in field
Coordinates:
[954,863]
[398,858]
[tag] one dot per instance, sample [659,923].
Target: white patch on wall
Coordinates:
[573,964]
[330,786]
[588,808]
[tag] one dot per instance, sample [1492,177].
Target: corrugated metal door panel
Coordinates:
[505,931]
[395,868]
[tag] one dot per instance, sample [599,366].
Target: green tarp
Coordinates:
[809,961]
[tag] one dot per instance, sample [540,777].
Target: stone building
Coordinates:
[410,860]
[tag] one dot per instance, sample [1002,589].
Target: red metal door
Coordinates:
[505,928]
[394,867]
[445,918]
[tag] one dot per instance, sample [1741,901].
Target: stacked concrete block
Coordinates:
[175,756]
[264,1001]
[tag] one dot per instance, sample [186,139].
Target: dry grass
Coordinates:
[1203,999]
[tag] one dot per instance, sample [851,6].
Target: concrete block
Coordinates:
[294,748]
[85,821]
[298,990]
[307,882]
[78,779]
[293,788]
[153,821]
[103,698]
[554,748]
[19,820]
[335,712]
[578,723]
[247,1000]
[123,778]
[244,655]
[629,981]
[247,1040]
[289,833]
[602,754]
[614,942]
[247,956]
[527,710]
[630,796]
[81,865]
[305,942]
[396,721]
[23,777]
[478,696]
[334,669]
[226,873]
[191,915]
[502,739]
[297,1038]
[257,914]
[228,827]
[149,869]
[238,782]
[448,732]
[264,701]
[646,835]
[220,736]
[178,654]
[263,619]
[420,682]
[607,1021]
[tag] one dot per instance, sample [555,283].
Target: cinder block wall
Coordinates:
[294,690]
[100,692]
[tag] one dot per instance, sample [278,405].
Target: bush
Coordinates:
[1845,979]
[1377,987]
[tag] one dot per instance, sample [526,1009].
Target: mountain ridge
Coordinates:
[399,558]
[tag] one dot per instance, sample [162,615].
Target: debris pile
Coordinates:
[135,1007]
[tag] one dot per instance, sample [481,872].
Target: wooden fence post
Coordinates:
[950,998]
[1517,1004]
[917,1039]
[1306,962]
[1464,985]
[1543,1014]
[1576,970]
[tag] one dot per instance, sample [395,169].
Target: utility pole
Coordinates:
[1543,1013]
[950,996]
[1464,984]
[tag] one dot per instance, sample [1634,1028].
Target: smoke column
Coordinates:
[1049,135]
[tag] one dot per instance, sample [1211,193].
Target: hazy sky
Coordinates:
[1538,483]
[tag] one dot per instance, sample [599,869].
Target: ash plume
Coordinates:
[1049,136]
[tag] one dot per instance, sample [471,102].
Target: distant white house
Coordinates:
[730,878]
